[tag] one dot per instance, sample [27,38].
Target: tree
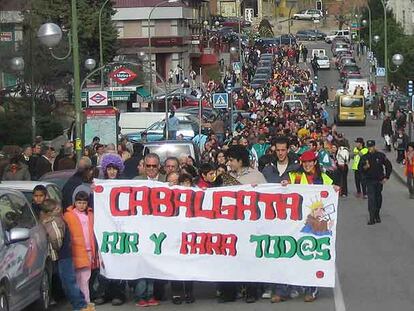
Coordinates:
[398,42]
[265,29]
[39,62]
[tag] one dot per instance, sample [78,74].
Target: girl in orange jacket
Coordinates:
[79,219]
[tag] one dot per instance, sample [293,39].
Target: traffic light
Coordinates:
[319,5]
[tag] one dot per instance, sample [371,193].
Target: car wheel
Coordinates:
[43,302]
[4,303]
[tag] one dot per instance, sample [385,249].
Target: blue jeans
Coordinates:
[70,287]
[144,289]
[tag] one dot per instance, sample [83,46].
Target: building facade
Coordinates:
[11,36]
[403,11]
[171,28]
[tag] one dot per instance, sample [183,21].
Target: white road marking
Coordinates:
[338,296]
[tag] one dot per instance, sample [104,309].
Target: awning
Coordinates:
[144,93]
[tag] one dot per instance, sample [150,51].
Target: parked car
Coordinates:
[319,34]
[266,56]
[260,82]
[310,14]
[194,111]
[264,70]
[339,47]
[259,76]
[173,148]
[348,70]
[25,269]
[345,60]
[292,104]
[323,62]
[287,39]
[344,33]
[155,132]
[59,178]
[305,35]
[26,187]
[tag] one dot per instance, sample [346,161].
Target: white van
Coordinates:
[351,85]
[130,122]
[318,52]
[344,33]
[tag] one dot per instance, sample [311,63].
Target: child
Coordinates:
[59,251]
[79,218]
[39,195]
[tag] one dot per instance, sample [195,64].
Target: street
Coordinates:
[373,262]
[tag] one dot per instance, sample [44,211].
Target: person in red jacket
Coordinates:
[79,219]
[207,176]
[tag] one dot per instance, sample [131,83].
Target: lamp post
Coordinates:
[384,5]
[17,65]
[50,35]
[149,37]
[101,43]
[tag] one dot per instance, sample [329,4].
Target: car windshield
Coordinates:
[169,150]
[351,68]
[351,102]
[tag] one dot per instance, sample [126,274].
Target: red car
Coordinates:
[348,70]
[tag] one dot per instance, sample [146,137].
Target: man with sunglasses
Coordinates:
[152,168]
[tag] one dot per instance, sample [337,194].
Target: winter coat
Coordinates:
[342,156]
[22,173]
[79,253]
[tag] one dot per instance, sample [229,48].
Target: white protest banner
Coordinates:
[267,233]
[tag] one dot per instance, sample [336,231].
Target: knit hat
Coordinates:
[112,159]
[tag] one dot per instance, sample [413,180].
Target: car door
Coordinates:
[35,249]
[16,253]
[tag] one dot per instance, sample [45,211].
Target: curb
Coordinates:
[399,177]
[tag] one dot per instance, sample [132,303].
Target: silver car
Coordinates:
[25,270]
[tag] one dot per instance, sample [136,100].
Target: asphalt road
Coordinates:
[374,263]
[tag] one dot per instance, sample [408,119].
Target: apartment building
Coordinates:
[403,11]
[170,29]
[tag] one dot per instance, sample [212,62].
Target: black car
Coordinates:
[287,39]
[317,33]
[305,35]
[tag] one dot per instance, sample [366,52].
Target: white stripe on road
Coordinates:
[338,296]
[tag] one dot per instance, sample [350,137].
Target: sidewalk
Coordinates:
[397,169]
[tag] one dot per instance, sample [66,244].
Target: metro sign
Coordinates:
[123,75]
[99,98]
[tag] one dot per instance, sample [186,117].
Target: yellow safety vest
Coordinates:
[304,181]
[357,156]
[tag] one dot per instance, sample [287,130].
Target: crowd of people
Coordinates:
[271,144]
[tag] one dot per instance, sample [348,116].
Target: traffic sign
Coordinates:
[220,100]
[98,98]
[380,72]
[123,75]
[236,67]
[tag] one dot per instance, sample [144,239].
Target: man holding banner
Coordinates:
[308,173]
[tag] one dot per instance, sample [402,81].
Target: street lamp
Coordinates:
[376,38]
[50,35]
[397,60]
[90,64]
[384,5]
[149,36]
[17,64]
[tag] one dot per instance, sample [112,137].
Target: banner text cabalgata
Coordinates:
[166,202]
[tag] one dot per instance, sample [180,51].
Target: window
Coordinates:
[23,214]
[351,102]
[54,193]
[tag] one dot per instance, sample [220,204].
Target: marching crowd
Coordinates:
[272,144]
